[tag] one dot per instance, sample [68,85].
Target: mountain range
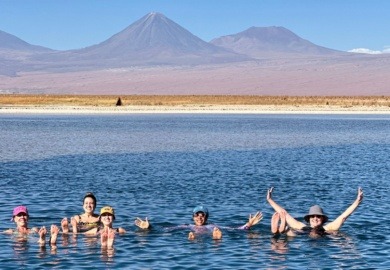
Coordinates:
[155,55]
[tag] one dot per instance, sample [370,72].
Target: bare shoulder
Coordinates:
[77,218]
[121,230]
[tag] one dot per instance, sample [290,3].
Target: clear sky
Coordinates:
[72,24]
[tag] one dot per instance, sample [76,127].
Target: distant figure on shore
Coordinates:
[200,215]
[315,218]
[119,102]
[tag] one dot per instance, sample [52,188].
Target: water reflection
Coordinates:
[108,254]
[279,245]
[24,245]
[20,246]
[68,240]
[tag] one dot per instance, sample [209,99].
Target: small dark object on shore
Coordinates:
[119,102]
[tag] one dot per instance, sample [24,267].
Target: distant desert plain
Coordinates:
[65,104]
[155,65]
[331,76]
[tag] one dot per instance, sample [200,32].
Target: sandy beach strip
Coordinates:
[195,109]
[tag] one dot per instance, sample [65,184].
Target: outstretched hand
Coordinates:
[143,224]
[255,219]
[269,193]
[360,195]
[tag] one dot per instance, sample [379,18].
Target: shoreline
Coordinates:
[196,109]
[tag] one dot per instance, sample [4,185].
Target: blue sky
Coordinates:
[71,24]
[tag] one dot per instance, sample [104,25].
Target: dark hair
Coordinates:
[90,195]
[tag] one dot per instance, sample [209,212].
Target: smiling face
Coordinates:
[89,205]
[199,218]
[107,219]
[316,220]
[21,220]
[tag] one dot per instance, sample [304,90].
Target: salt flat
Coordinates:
[196,109]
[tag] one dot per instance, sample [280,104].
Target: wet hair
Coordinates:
[319,230]
[90,195]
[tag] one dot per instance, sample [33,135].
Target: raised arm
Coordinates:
[338,222]
[292,222]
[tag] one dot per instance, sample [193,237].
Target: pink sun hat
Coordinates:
[19,209]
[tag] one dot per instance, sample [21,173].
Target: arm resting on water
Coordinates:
[338,222]
[292,222]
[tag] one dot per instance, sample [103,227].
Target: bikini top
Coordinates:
[87,225]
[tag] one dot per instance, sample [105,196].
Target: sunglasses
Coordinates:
[21,215]
[199,214]
[315,216]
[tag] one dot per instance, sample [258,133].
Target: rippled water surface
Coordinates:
[161,166]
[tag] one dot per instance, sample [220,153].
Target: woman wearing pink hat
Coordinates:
[20,216]
[316,218]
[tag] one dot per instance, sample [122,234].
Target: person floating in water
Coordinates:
[106,230]
[21,216]
[200,216]
[316,218]
[86,221]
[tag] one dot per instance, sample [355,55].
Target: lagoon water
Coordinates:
[162,165]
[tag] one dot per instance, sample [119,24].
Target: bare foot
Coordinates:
[191,236]
[111,237]
[103,238]
[282,226]
[217,234]
[42,236]
[65,225]
[74,224]
[53,234]
[274,222]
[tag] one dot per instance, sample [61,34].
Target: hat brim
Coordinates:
[107,213]
[13,217]
[307,217]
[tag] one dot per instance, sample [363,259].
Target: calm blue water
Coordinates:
[161,166]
